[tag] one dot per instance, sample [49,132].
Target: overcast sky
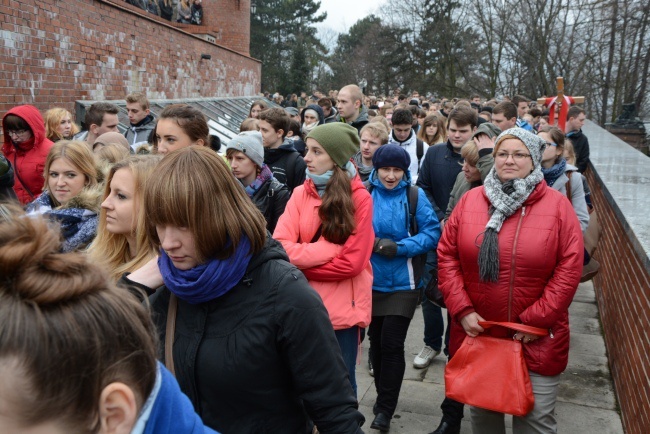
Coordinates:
[342,14]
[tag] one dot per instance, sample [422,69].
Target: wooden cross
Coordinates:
[559,104]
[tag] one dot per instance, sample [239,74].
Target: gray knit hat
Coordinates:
[535,144]
[340,141]
[250,143]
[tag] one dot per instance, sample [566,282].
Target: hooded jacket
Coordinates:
[318,109]
[27,159]
[262,358]
[410,145]
[540,263]
[390,219]
[333,116]
[363,171]
[138,134]
[271,199]
[341,274]
[287,165]
[576,195]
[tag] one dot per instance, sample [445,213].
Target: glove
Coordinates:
[385,247]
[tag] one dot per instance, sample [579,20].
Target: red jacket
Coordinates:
[341,274]
[540,263]
[29,157]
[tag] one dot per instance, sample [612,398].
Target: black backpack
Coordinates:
[418,261]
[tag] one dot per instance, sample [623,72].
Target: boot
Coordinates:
[589,270]
[446,428]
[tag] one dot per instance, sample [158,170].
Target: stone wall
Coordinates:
[53,52]
[620,181]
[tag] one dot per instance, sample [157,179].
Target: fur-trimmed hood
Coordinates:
[89,199]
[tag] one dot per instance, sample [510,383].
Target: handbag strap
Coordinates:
[515,326]
[170,329]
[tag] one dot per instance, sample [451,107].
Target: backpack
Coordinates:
[418,261]
[419,151]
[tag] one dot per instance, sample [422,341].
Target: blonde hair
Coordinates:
[113,249]
[569,152]
[195,189]
[52,121]
[111,153]
[469,152]
[377,130]
[79,154]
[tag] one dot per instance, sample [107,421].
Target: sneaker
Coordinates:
[370,370]
[425,357]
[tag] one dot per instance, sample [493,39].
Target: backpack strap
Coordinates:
[368,186]
[419,151]
[412,198]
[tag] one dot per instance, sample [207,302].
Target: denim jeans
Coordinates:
[388,334]
[434,325]
[349,343]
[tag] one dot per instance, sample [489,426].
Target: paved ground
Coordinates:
[586,402]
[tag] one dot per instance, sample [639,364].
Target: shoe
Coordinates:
[375,409]
[589,270]
[371,371]
[446,428]
[381,423]
[425,357]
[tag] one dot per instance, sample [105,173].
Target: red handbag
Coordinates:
[491,373]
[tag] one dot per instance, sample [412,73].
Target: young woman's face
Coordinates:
[318,161]
[390,176]
[310,119]
[242,167]
[120,203]
[170,136]
[179,244]
[431,131]
[65,180]
[65,127]
[255,111]
[551,152]
[20,136]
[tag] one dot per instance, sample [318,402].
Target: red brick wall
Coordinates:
[53,52]
[623,291]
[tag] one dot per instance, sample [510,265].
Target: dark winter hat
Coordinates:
[340,141]
[488,129]
[391,156]
[250,143]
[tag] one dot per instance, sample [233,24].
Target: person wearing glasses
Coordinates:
[26,147]
[512,250]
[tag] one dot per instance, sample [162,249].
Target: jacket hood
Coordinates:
[317,109]
[88,198]
[333,114]
[32,116]
[272,250]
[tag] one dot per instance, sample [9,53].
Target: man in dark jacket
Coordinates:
[285,162]
[142,122]
[329,111]
[575,120]
[351,108]
[437,177]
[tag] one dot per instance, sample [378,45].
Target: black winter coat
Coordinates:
[262,358]
[438,175]
[287,164]
[6,180]
[581,148]
[271,199]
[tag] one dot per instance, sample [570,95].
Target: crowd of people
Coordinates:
[203,289]
[177,11]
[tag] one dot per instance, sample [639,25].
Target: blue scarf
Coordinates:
[265,175]
[207,281]
[553,173]
[320,181]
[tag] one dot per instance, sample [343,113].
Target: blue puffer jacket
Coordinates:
[391,220]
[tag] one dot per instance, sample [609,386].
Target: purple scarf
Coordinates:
[265,175]
[207,281]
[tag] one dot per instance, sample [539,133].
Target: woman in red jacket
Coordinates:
[326,230]
[26,147]
[512,251]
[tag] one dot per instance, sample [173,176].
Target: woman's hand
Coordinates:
[149,275]
[525,338]
[470,324]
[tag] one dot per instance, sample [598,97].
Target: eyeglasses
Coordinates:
[551,144]
[517,156]
[16,132]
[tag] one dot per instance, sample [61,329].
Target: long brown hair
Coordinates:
[337,208]
[441,132]
[67,332]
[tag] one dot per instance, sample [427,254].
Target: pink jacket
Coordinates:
[341,274]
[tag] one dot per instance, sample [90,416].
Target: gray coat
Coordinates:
[577,195]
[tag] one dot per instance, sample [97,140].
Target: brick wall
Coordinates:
[623,292]
[53,52]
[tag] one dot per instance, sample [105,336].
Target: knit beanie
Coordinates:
[534,143]
[111,138]
[250,143]
[391,156]
[338,139]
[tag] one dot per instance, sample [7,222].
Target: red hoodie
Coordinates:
[27,158]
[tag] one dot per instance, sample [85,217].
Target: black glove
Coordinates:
[385,247]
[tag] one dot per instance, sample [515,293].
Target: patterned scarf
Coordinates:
[265,175]
[553,173]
